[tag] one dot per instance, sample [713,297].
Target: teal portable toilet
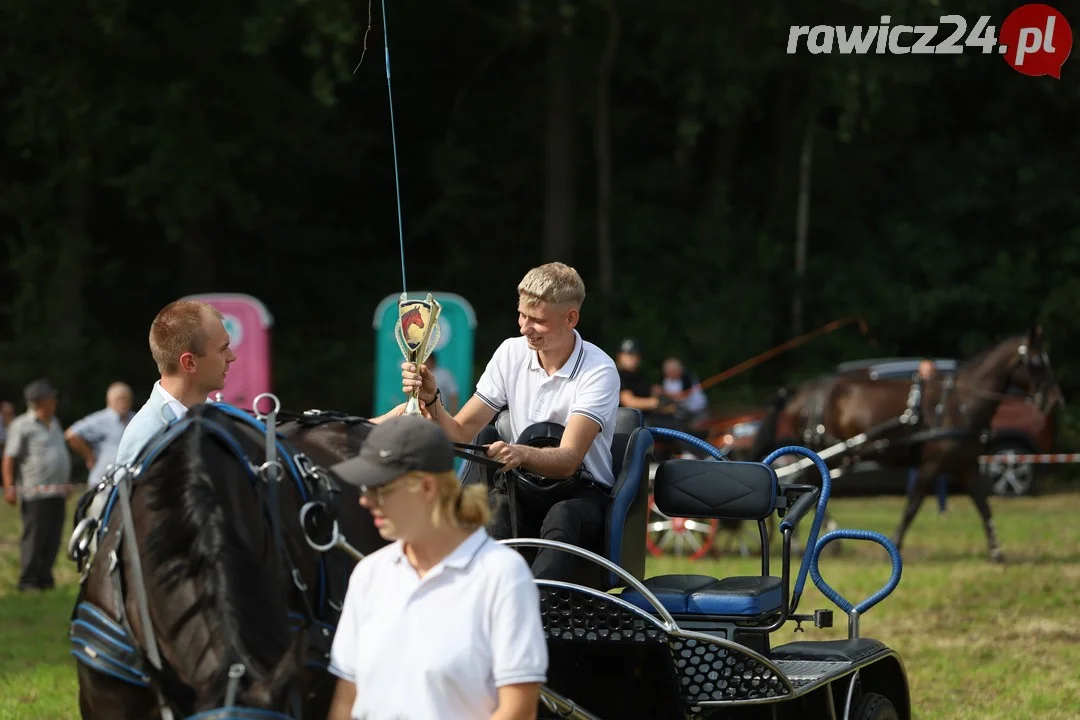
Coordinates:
[454,349]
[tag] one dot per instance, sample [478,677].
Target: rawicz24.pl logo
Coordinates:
[1035,39]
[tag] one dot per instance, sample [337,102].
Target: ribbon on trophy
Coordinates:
[417,333]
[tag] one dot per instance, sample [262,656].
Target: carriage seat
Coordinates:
[628,511]
[727,491]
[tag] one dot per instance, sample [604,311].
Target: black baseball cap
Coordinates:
[395,447]
[630,345]
[38,391]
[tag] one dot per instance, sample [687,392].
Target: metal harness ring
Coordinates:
[264,471]
[335,533]
[255,405]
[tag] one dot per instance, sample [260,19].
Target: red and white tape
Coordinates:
[32,490]
[1038,458]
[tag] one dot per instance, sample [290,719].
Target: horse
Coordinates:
[838,408]
[240,608]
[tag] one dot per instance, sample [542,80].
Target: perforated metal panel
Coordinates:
[710,672]
[570,615]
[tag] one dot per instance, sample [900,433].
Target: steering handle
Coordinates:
[842,602]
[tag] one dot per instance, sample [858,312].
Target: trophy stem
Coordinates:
[412,407]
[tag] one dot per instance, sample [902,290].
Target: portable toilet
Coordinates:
[248,323]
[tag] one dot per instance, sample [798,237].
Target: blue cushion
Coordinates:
[703,595]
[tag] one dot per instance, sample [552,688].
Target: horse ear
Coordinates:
[1035,336]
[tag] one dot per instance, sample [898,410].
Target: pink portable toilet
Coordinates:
[248,323]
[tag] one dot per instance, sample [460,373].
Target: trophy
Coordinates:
[417,333]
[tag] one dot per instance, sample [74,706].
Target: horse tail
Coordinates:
[765,438]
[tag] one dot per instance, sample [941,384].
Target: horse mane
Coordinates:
[978,359]
[196,541]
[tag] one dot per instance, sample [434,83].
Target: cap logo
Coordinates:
[384,453]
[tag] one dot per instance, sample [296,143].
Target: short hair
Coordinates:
[177,329]
[117,388]
[553,283]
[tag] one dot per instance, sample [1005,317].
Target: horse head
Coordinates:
[220,579]
[1031,372]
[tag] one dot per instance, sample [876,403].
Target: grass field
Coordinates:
[979,640]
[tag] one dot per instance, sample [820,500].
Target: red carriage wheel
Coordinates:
[684,534]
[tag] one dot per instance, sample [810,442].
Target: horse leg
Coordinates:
[978,489]
[918,488]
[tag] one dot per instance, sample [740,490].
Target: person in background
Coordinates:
[7,414]
[37,459]
[444,380]
[683,386]
[634,390]
[394,652]
[913,415]
[96,437]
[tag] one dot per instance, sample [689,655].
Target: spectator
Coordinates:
[444,380]
[684,388]
[97,436]
[634,391]
[36,459]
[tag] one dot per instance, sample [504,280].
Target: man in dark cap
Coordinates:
[634,391]
[36,458]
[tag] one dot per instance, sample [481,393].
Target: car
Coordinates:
[1017,428]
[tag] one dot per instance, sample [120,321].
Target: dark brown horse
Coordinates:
[221,589]
[837,408]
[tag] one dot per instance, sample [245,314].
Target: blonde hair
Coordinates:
[553,283]
[178,329]
[464,507]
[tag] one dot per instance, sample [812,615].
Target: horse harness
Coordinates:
[106,642]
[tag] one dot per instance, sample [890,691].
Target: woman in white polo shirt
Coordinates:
[444,622]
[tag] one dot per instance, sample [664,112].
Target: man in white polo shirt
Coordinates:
[548,374]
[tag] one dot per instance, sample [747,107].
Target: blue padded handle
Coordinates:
[823,502]
[840,600]
[687,437]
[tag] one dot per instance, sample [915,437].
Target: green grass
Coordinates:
[979,640]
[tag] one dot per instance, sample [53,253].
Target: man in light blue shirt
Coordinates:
[190,347]
[96,437]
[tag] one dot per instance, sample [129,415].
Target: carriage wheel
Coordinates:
[689,537]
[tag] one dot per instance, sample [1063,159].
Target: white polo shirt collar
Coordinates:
[459,558]
[570,368]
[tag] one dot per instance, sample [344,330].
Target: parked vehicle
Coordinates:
[1016,429]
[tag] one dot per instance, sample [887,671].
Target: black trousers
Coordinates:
[43,525]
[578,520]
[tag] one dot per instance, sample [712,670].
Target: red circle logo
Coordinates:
[1035,40]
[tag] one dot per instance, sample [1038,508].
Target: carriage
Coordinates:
[694,646]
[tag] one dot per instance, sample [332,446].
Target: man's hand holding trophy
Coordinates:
[417,333]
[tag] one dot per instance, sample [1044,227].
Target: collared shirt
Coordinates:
[160,408]
[587,384]
[170,402]
[41,456]
[439,646]
[102,431]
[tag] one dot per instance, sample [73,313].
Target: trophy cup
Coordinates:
[417,333]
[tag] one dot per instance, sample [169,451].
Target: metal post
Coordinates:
[853,624]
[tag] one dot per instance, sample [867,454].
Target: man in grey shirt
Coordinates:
[36,458]
[97,436]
